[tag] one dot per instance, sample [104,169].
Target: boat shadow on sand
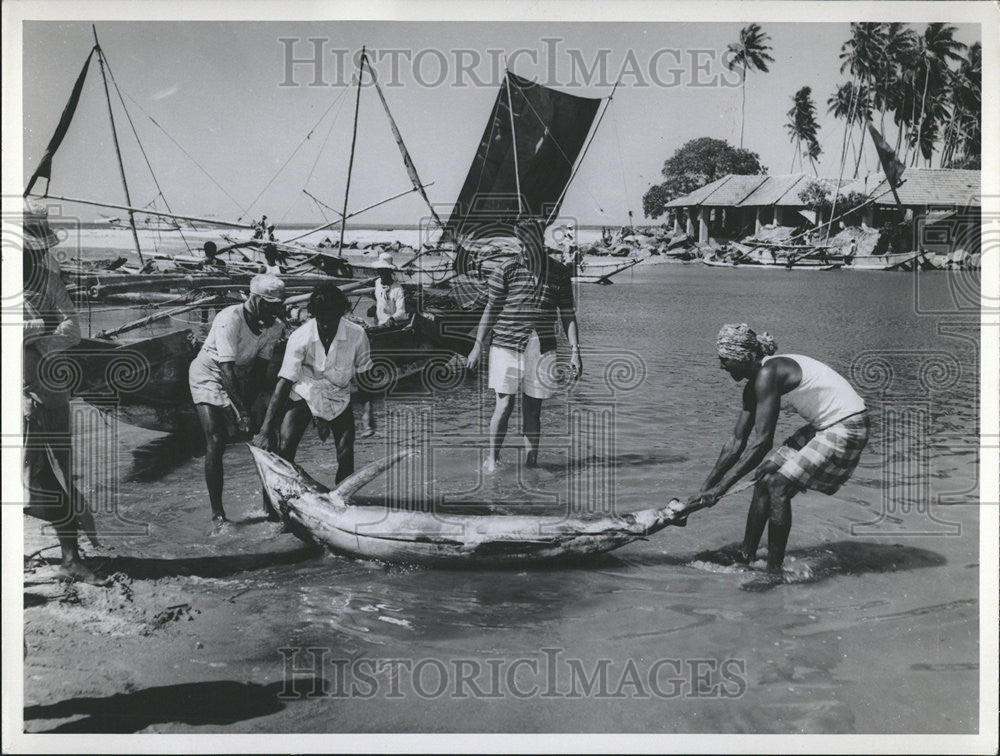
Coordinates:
[214,702]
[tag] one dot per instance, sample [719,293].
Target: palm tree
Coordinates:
[936,48]
[963,135]
[862,55]
[898,44]
[852,103]
[751,53]
[802,127]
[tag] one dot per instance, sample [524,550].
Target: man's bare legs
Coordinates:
[771,505]
[213,423]
[498,429]
[531,423]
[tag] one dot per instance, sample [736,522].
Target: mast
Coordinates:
[411,168]
[513,141]
[350,162]
[118,152]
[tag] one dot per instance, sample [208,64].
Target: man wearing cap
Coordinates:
[390,304]
[323,356]
[235,356]
[820,456]
[525,294]
[50,328]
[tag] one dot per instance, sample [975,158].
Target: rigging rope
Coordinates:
[188,155]
[326,139]
[621,162]
[293,153]
[145,157]
[319,154]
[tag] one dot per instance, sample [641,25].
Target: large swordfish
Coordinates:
[317,514]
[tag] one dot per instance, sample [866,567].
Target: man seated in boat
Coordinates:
[212,255]
[389,309]
[820,456]
[272,264]
[231,370]
[390,299]
[322,357]
[51,326]
[525,295]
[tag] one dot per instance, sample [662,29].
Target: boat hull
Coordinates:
[145,383]
[390,534]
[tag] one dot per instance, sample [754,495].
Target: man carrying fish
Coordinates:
[820,456]
[314,383]
[230,371]
[525,294]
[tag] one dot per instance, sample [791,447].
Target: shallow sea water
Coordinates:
[875,631]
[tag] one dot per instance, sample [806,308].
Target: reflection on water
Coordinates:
[845,647]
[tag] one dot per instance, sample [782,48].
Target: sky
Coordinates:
[224,93]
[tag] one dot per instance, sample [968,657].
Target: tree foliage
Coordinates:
[751,53]
[929,82]
[802,127]
[695,164]
[818,196]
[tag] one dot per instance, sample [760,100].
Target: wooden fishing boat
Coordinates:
[601,275]
[145,382]
[771,266]
[892,261]
[333,519]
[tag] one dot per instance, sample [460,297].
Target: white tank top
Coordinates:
[823,396]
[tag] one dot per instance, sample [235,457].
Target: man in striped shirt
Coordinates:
[527,295]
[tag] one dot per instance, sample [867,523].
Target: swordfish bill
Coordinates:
[328,517]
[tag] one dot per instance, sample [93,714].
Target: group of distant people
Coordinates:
[527,295]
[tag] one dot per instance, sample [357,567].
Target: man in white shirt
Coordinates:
[230,370]
[390,304]
[314,382]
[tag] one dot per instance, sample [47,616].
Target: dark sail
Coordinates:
[44,169]
[890,163]
[551,128]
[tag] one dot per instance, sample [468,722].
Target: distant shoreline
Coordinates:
[298,226]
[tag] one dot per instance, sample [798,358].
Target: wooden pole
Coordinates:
[513,141]
[118,152]
[350,162]
[131,209]
[340,221]
[163,315]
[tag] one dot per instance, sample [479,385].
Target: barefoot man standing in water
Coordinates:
[524,295]
[820,456]
[230,370]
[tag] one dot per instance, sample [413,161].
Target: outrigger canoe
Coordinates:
[330,518]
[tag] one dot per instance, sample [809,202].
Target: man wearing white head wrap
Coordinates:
[821,455]
[231,369]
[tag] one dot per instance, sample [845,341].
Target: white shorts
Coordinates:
[529,371]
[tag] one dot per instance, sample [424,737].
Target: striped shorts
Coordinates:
[822,460]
